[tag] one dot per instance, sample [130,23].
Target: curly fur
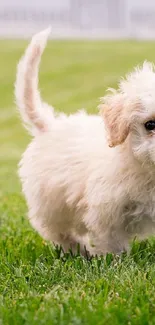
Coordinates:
[89,179]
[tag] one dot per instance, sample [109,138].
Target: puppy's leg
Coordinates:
[60,231]
[110,240]
[70,242]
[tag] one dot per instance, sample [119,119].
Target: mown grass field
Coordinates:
[37,286]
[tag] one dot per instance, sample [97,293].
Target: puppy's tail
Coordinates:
[36,115]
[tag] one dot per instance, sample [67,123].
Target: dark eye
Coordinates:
[150,125]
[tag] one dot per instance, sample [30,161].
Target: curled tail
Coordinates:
[36,115]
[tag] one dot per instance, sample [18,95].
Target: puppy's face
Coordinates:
[129,113]
[142,133]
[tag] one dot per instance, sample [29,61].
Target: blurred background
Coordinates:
[93,43]
[79,18]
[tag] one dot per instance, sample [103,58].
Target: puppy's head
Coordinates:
[129,113]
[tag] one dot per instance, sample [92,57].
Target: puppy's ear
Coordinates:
[117,126]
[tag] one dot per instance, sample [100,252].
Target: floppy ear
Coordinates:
[117,126]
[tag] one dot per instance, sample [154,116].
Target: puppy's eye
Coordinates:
[150,125]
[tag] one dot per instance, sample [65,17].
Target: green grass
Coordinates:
[37,286]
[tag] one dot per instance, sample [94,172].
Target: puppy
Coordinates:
[87,179]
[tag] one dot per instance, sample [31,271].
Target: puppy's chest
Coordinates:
[139,212]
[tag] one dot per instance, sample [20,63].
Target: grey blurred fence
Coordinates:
[79,18]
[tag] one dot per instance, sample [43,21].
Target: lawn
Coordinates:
[37,286]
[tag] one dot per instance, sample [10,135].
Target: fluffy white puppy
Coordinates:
[89,179]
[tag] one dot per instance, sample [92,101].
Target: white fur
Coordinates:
[78,189]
